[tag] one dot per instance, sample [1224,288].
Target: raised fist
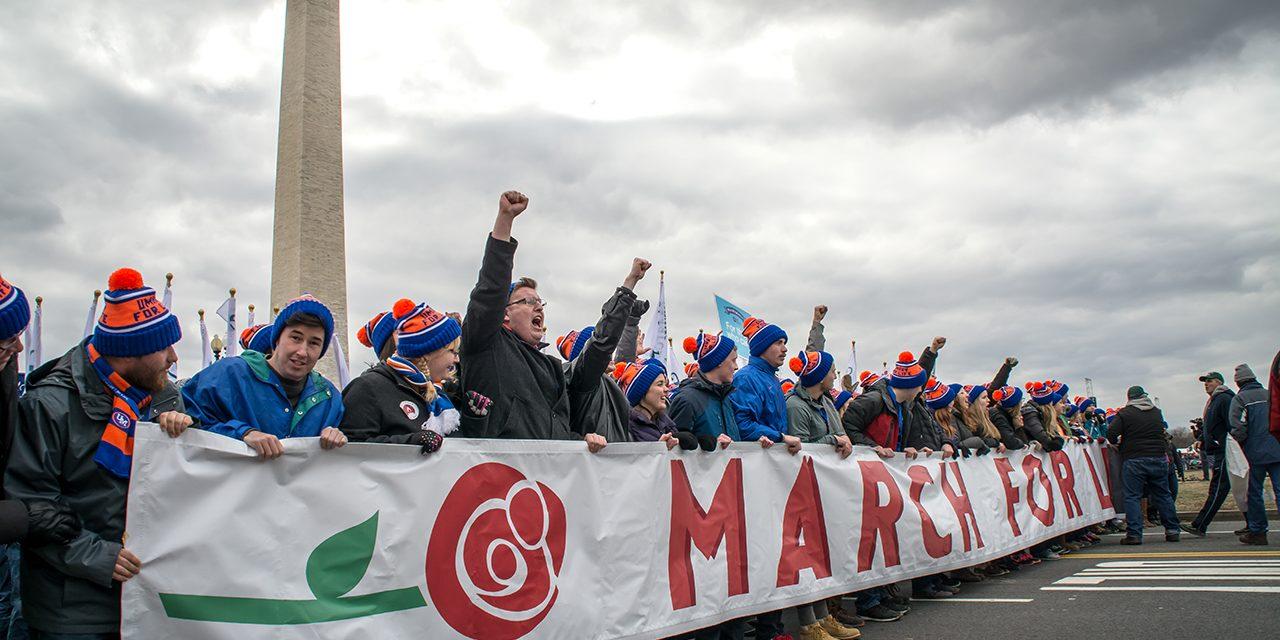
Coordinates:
[938,343]
[1011,361]
[819,312]
[512,203]
[638,267]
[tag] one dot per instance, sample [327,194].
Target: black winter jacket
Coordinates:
[1216,424]
[596,402]
[13,514]
[68,589]
[528,389]
[1003,420]
[382,407]
[1139,429]
[1033,430]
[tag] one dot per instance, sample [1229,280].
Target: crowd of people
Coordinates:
[68,440]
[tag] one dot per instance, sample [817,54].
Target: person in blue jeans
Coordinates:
[1248,416]
[1139,430]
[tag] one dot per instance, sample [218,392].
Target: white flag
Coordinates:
[673,368]
[92,318]
[228,312]
[852,369]
[35,351]
[206,352]
[344,374]
[251,322]
[167,301]
[655,338]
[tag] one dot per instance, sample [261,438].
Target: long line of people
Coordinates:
[438,375]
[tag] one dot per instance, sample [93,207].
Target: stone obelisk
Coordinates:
[309,244]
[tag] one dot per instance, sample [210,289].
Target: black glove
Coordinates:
[707,443]
[50,522]
[639,308]
[1056,444]
[962,451]
[688,441]
[983,450]
[430,441]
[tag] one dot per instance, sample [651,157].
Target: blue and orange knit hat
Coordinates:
[788,386]
[840,397]
[907,372]
[15,311]
[1111,414]
[257,338]
[1070,409]
[1041,393]
[938,395]
[1057,389]
[761,335]
[421,329]
[636,378]
[570,344]
[305,303]
[690,369]
[866,379]
[133,322]
[1008,397]
[377,331]
[812,367]
[709,350]
[1085,403]
[972,391]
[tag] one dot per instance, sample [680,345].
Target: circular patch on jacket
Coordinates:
[410,410]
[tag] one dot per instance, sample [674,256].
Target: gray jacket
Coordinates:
[812,420]
[1248,417]
[68,589]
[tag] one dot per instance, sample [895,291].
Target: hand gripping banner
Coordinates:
[500,539]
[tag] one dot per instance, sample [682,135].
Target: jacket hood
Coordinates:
[702,384]
[1143,404]
[1222,388]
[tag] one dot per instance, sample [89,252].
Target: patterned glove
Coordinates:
[478,404]
[430,441]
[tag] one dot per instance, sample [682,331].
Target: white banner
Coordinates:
[508,539]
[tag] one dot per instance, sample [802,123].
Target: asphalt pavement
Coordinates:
[1213,588]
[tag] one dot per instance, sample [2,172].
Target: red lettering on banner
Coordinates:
[1005,469]
[961,505]
[878,521]
[935,544]
[692,526]
[1034,470]
[1060,463]
[803,518]
[1104,493]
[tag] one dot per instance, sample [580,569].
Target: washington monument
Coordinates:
[309,252]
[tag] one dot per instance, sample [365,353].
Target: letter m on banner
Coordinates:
[691,526]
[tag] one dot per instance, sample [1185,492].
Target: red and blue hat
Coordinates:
[972,391]
[305,303]
[788,386]
[840,397]
[761,335]
[812,367]
[15,311]
[1007,396]
[570,344]
[377,331]
[938,395]
[1041,393]
[636,378]
[1070,409]
[907,372]
[257,338]
[690,369]
[1085,403]
[421,329]
[866,379]
[1111,414]
[1057,389]
[709,350]
[133,322]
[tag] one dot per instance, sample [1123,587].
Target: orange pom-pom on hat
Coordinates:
[907,372]
[133,322]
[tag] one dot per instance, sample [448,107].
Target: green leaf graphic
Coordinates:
[338,564]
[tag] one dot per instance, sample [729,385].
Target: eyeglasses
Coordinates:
[532,302]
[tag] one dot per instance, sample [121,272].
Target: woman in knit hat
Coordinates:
[379,334]
[645,386]
[400,400]
[971,414]
[1040,419]
[941,399]
[1006,414]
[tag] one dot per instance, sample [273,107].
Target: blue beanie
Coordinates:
[637,377]
[377,331]
[421,330]
[812,367]
[1070,409]
[938,395]
[840,397]
[972,392]
[305,303]
[15,311]
[907,373]
[1007,397]
[571,344]
[257,338]
[761,335]
[710,351]
[133,322]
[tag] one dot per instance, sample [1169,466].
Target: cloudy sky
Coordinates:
[1093,187]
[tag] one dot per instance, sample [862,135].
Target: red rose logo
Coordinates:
[495,552]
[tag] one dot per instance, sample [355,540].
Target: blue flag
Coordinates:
[731,319]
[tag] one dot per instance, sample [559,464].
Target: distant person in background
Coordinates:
[1213,439]
[1249,415]
[1139,430]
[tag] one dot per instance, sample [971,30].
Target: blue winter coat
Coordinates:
[758,403]
[234,395]
[1249,424]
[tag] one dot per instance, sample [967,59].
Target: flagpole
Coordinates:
[233,344]
[35,350]
[250,323]
[206,352]
[168,304]
[93,313]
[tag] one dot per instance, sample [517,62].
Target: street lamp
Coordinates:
[216,345]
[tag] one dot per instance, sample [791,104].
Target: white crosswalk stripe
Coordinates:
[1245,575]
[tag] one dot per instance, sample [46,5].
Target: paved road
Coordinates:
[1213,588]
